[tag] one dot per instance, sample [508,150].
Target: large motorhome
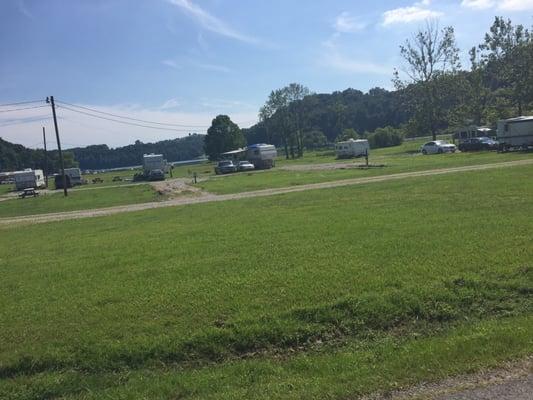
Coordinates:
[262,156]
[352,148]
[29,178]
[515,132]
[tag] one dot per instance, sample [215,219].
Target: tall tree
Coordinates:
[430,55]
[508,54]
[282,113]
[223,135]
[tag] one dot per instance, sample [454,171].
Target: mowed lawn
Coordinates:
[394,160]
[78,200]
[327,293]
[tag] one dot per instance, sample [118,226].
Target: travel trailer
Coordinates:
[515,133]
[352,148]
[29,178]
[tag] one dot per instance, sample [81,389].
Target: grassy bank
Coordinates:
[425,268]
[78,200]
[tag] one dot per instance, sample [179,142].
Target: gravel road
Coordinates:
[203,197]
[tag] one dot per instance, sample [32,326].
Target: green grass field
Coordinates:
[6,188]
[78,200]
[396,160]
[328,293]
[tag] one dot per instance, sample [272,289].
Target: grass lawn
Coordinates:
[395,159]
[6,188]
[328,293]
[78,200]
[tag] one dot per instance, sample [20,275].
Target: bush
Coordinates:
[385,137]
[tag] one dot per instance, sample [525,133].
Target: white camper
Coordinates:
[352,148]
[515,132]
[152,162]
[262,156]
[29,178]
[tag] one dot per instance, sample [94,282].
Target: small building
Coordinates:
[29,178]
[516,132]
[352,148]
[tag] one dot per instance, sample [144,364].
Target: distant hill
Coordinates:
[101,156]
[16,156]
[351,108]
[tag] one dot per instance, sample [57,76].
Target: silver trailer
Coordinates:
[262,156]
[515,133]
[75,176]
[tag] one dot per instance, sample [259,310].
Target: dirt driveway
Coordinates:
[203,197]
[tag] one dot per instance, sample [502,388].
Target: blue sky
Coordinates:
[184,61]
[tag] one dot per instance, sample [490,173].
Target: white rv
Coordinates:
[352,148]
[29,178]
[515,132]
[152,162]
[262,156]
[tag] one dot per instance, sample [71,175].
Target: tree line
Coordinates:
[16,156]
[433,94]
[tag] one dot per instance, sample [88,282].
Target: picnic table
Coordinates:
[29,192]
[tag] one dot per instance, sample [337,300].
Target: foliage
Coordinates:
[346,134]
[17,157]
[102,157]
[314,139]
[223,135]
[385,137]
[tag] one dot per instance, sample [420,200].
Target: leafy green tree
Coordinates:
[385,137]
[508,57]
[429,56]
[346,134]
[223,135]
[314,139]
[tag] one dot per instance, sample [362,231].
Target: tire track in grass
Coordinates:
[204,197]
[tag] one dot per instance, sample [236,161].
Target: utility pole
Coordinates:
[51,101]
[45,159]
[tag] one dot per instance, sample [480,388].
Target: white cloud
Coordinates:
[503,5]
[345,23]
[416,12]
[515,5]
[170,63]
[333,58]
[212,23]
[478,4]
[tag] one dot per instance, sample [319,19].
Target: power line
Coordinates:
[20,109]
[132,119]
[21,102]
[123,122]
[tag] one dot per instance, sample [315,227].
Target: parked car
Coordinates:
[437,147]
[225,167]
[156,175]
[478,143]
[245,166]
[117,179]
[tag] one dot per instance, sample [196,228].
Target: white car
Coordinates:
[245,166]
[438,146]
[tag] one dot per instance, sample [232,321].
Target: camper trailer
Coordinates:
[29,178]
[469,132]
[352,148]
[262,156]
[72,177]
[515,133]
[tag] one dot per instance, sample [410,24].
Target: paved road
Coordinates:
[203,197]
